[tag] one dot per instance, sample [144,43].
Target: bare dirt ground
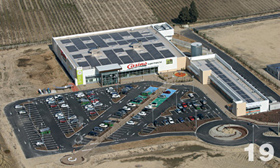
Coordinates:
[255,43]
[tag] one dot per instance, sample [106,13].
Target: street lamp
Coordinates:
[253,133]
[278,128]
[176,101]
[152,115]
[192,83]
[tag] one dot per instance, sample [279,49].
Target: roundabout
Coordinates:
[228,132]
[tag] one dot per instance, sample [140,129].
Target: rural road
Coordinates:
[239,21]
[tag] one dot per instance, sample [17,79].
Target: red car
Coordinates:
[184,105]
[92,113]
[53,105]
[167,92]
[62,121]
[94,101]
[89,95]
[191,118]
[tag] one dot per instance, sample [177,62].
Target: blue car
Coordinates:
[98,129]
[180,119]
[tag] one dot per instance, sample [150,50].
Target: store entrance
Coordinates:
[109,78]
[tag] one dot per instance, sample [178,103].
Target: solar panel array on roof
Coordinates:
[83,64]
[112,56]
[91,45]
[105,36]
[142,39]
[116,36]
[99,41]
[126,59]
[147,56]
[118,50]
[104,61]
[77,56]
[92,61]
[167,53]
[136,34]
[112,43]
[125,33]
[122,42]
[151,38]
[71,48]
[132,41]
[153,51]
[134,55]
[158,45]
[229,82]
[79,44]
[85,38]
[65,41]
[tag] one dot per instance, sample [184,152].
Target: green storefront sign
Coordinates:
[80,76]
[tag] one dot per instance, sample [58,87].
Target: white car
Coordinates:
[49,99]
[64,106]
[22,112]
[58,114]
[102,125]
[116,96]
[126,108]
[57,96]
[131,104]
[98,104]
[171,121]
[61,102]
[72,117]
[88,106]
[39,143]
[109,89]
[142,113]
[18,106]
[149,106]
[130,123]
[80,94]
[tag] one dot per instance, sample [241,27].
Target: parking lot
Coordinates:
[66,117]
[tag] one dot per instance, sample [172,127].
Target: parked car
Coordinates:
[154,104]
[97,104]
[58,114]
[74,121]
[118,113]
[53,105]
[102,125]
[184,105]
[93,133]
[203,106]
[142,113]
[98,129]
[179,106]
[58,97]
[171,121]
[18,106]
[109,89]
[131,104]
[115,96]
[191,118]
[64,106]
[149,106]
[178,110]
[191,95]
[180,119]
[83,100]
[22,112]
[90,109]
[92,113]
[155,123]
[39,143]
[62,120]
[80,94]
[200,116]
[165,122]
[167,92]
[137,117]
[51,102]
[130,122]
[126,108]
[88,106]
[72,117]
[189,104]
[61,102]
[203,101]
[60,117]
[50,99]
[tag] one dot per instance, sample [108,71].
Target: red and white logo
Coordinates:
[130,66]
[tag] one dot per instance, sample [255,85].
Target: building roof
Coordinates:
[118,46]
[275,66]
[230,81]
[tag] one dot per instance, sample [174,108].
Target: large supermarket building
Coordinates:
[107,56]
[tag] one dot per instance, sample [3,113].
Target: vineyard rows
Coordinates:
[31,21]
[167,10]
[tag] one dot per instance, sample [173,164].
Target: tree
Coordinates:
[184,15]
[193,14]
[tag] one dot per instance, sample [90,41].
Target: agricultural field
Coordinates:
[33,21]
[167,10]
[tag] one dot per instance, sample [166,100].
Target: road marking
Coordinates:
[101,116]
[132,134]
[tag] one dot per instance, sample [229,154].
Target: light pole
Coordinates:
[176,100]
[253,134]
[278,128]
[192,83]
[152,115]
